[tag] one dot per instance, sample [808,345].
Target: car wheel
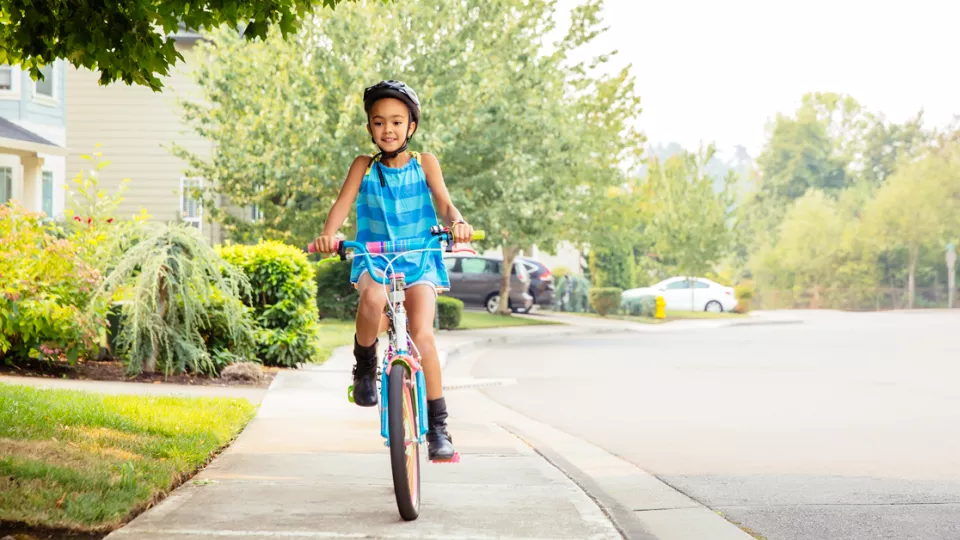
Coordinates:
[492,303]
[713,307]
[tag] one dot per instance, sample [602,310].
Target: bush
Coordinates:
[181,308]
[336,297]
[612,266]
[640,306]
[605,300]
[284,300]
[47,301]
[744,293]
[450,311]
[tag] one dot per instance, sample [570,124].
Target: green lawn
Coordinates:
[671,316]
[475,320]
[334,334]
[88,462]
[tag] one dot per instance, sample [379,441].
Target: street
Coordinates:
[843,427]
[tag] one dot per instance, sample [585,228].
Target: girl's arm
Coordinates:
[462,231]
[348,194]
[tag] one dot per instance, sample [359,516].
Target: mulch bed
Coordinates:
[92,370]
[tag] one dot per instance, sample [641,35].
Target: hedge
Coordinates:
[605,300]
[640,306]
[284,300]
[450,311]
[336,297]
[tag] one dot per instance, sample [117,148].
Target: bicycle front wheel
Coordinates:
[404,450]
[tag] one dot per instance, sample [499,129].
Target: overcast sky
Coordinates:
[718,70]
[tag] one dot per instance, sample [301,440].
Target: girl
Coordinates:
[393,192]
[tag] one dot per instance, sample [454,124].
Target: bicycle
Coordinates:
[403,392]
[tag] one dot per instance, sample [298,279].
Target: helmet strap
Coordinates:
[383,154]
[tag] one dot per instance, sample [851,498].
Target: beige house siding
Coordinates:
[135,127]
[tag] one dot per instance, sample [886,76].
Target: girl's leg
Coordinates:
[369,322]
[421,304]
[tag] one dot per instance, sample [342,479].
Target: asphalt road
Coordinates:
[845,427]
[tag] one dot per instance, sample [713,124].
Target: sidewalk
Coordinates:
[312,465]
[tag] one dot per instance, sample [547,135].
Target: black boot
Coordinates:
[439,440]
[365,374]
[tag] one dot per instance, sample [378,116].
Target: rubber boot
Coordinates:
[440,444]
[365,374]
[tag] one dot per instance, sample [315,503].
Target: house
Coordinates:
[135,127]
[32,138]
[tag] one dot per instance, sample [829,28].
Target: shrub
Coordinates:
[182,308]
[605,300]
[612,266]
[47,306]
[284,300]
[640,306]
[336,297]
[744,293]
[450,312]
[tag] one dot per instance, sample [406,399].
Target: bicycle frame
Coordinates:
[399,350]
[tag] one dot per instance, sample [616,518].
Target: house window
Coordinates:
[6,184]
[45,88]
[6,78]
[48,193]
[191,209]
[9,81]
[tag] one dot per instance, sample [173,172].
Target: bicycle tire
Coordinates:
[404,457]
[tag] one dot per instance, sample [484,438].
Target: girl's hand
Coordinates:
[326,244]
[462,233]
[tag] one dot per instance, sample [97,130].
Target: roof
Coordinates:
[14,137]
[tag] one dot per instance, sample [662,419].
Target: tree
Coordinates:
[916,207]
[520,134]
[689,220]
[130,40]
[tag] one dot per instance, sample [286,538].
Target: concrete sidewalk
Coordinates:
[312,465]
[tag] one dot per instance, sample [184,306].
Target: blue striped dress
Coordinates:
[400,210]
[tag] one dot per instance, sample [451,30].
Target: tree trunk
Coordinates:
[506,270]
[911,276]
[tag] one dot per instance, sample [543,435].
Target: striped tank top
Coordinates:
[402,209]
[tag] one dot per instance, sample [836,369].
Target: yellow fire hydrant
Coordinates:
[660,312]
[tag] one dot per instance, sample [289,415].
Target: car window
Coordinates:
[700,285]
[473,266]
[520,270]
[682,284]
[530,267]
[493,267]
[450,263]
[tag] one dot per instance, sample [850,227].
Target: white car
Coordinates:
[705,295]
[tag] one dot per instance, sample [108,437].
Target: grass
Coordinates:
[475,320]
[670,316]
[333,334]
[89,462]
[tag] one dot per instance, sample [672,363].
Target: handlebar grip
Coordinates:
[479,235]
[312,248]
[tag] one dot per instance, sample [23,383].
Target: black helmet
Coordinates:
[393,89]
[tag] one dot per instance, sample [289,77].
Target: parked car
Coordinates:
[541,282]
[475,281]
[689,294]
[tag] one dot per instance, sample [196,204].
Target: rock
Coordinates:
[241,371]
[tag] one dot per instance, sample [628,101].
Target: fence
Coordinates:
[853,299]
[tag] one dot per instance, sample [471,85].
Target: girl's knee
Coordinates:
[372,301]
[423,337]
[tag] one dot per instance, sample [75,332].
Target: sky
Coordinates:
[720,70]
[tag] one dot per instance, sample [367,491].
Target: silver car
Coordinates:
[475,281]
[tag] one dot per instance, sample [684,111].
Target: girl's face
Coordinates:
[390,124]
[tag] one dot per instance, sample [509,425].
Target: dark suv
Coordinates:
[541,282]
[476,281]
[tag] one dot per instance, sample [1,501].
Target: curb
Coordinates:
[488,341]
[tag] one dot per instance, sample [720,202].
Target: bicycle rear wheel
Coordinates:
[404,449]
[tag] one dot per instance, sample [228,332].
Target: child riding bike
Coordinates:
[399,195]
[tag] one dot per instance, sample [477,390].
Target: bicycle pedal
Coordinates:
[454,459]
[350,393]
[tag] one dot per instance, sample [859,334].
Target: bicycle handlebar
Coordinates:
[399,246]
